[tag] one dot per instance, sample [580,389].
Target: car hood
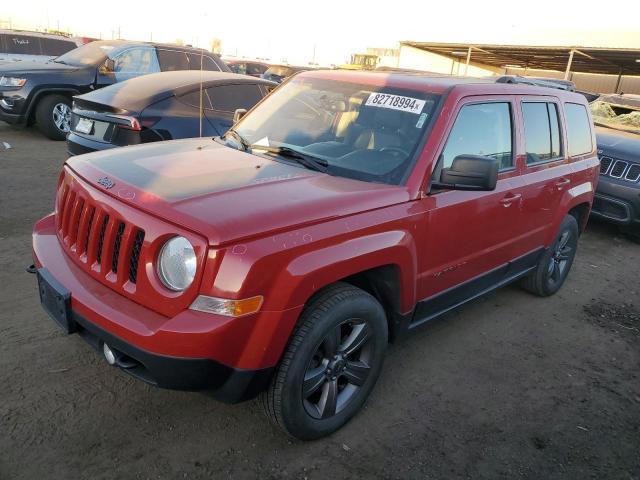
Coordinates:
[225,194]
[31,67]
[618,143]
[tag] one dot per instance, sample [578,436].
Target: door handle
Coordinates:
[562,183]
[509,199]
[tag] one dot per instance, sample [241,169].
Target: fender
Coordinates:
[576,195]
[36,95]
[307,273]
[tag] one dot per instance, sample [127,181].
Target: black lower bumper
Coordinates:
[225,383]
[77,145]
[12,118]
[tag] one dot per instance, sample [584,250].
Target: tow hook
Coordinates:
[31,269]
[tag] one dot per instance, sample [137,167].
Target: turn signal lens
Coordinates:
[226,307]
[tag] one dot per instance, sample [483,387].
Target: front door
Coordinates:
[472,236]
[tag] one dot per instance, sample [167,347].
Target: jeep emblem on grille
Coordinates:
[106,182]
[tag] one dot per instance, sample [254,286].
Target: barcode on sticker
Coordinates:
[395,102]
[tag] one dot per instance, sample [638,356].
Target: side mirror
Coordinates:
[108,66]
[470,172]
[238,114]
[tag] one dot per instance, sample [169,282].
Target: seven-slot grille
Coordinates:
[620,169]
[105,243]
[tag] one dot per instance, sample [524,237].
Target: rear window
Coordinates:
[228,98]
[22,45]
[542,132]
[54,47]
[578,129]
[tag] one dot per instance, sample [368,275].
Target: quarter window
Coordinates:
[481,129]
[578,129]
[542,131]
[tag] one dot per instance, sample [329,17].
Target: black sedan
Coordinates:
[41,92]
[161,106]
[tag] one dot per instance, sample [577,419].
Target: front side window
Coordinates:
[542,132]
[481,129]
[578,129]
[134,62]
[360,131]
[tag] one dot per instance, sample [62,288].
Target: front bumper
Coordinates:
[232,358]
[13,111]
[618,202]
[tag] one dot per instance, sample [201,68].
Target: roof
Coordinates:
[425,81]
[138,92]
[585,59]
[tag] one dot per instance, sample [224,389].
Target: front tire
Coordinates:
[553,267]
[331,364]
[53,116]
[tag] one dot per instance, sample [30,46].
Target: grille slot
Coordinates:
[605,163]
[116,248]
[633,174]
[89,225]
[618,169]
[103,229]
[135,256]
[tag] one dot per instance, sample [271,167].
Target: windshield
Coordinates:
[358,131]
[613,115]
[92,53]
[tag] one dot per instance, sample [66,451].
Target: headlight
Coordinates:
[12,82]
[177,264]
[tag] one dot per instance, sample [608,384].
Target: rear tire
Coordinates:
[553,267]
[53,116]
[331,364]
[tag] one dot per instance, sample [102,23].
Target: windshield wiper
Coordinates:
[241,141]
[309,161]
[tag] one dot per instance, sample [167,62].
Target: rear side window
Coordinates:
[171,60]
[193,99]
[481,129]
[228,98]
[542,132]
[22,45]
[255,69]
[578,129]
[195,59]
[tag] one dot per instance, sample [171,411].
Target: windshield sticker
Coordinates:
[421,120]
[263,142]
[395,102]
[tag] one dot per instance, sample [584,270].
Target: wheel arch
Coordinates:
[43,92]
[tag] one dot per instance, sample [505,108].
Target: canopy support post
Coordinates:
[568,70]
[466,66]
[617,90]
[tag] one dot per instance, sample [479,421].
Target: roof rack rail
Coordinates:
[538,82]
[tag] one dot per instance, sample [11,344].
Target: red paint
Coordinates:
[285,237]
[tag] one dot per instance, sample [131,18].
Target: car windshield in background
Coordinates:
[613,115]
[358,131]
[91,53]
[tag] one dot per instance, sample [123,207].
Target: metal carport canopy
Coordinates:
[614,61]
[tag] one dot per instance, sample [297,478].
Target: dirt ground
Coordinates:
[510,386]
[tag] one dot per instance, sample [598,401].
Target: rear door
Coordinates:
[547,174]
[472,236]
[171,60]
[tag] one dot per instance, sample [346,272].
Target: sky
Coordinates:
[296,30]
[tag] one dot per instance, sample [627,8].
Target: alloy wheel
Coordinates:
[338,369]
[560,258]
[62,117]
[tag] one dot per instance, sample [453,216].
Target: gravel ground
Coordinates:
[509,386]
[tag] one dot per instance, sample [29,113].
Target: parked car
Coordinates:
[343,211]
[243,67]
[41,92]
[618,135]
[161,106]
[279,73]
[18,45]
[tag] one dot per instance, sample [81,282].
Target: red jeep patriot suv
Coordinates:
[344,210]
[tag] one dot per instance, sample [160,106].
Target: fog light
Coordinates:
[5,103]
[108,354]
